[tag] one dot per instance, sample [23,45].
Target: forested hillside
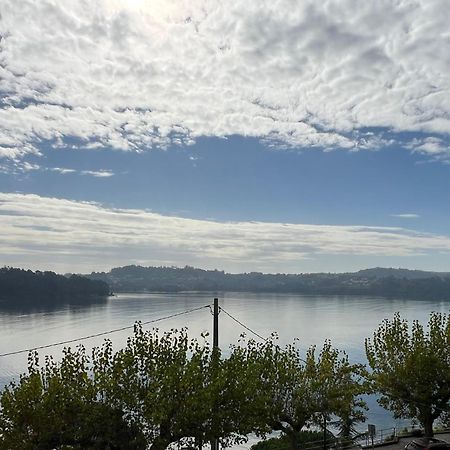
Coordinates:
[19,284]
[377,281]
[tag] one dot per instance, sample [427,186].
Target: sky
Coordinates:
[273,136]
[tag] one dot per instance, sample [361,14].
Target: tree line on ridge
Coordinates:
[374,282]
[26,285]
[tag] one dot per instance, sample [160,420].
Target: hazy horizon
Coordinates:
[107,270]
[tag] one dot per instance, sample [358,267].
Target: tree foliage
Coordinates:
[56,405]
[26,285]
[176,388]
[165,388]
[289,393]
[380,282]
[411,367]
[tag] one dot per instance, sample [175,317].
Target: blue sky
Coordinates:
[237,137]
[241,179]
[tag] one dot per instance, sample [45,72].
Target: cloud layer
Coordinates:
[67,235]
[139,74]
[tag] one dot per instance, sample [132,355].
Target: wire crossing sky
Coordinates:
[275,136]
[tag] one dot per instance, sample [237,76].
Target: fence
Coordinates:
[380,436]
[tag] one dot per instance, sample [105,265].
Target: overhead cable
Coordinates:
[104,333]
[242,325]
[383,393]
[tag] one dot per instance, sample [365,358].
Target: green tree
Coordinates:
[163,388]
[157,390]
[177,389]
[289,393]
[57,405]
[411,367]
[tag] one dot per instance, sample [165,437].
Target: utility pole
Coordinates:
[216,324]
[215,442]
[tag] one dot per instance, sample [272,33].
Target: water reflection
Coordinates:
[27,306]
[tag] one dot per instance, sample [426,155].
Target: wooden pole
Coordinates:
[215,442]
[216,324]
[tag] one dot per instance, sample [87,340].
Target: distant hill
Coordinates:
[18,285]
[381,272]
[377,281]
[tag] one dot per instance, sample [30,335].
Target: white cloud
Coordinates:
[79,236]
[21,167]
[62,170]
[406,216]
[437,149]
[97,173]
[141,74]
[93,173]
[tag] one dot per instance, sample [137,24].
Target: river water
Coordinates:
[346,320]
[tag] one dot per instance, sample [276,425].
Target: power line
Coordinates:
[383,393]
[104,333]
[243,325]
[165,318]
[254,332]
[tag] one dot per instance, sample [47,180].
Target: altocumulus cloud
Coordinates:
[59,233]
[137,74]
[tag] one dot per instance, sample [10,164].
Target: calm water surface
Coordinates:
[347,321]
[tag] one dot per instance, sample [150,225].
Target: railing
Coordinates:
[366,440]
